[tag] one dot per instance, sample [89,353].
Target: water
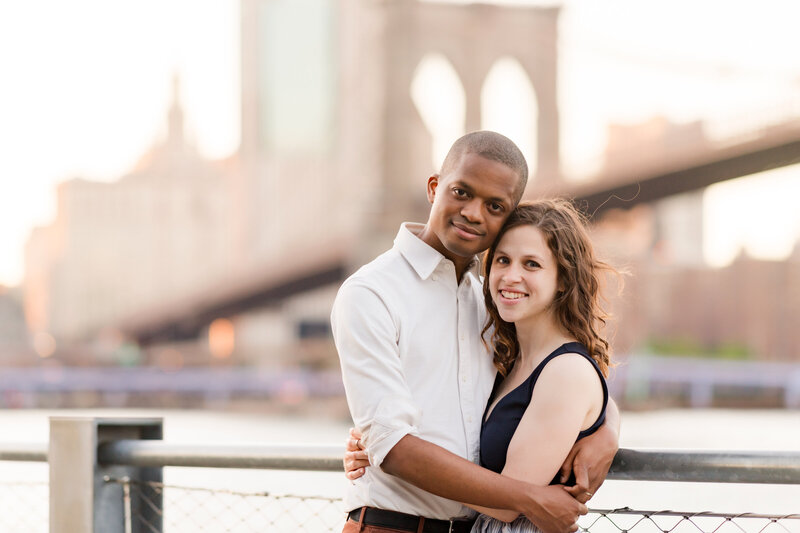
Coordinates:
[761,430]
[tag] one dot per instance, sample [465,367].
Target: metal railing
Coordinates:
[112,469]
[629,464]
[638,465]
[35,452]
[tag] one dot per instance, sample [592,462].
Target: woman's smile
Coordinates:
[510,294]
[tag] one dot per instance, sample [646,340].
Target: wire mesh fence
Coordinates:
[23,507]
[193,501]
[226,511]
[196,509]
[630,520]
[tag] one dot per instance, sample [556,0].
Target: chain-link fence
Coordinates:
[62,489]
[192,509]
[212,510]
[630,520]
[24,509]
[23,506]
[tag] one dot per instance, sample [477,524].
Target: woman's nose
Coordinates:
[511,273]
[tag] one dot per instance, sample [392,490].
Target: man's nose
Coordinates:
[472,211]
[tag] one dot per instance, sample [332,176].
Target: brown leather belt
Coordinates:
[409,522]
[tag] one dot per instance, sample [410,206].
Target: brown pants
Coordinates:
[352,526]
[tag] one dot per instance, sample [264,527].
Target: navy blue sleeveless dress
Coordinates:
[498,428]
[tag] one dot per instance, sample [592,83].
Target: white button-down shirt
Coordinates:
[408,337]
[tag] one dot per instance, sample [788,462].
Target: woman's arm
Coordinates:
[567,398]
[591,458]
[550,508]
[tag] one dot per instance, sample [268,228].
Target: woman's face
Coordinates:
[523,280]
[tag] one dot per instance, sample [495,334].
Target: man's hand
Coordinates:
[355,458]
[591,458]
[554,510]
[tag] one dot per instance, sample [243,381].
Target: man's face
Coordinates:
[469,205]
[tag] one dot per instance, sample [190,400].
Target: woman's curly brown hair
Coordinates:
[577,305]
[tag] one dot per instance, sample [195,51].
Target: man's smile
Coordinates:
[466,231]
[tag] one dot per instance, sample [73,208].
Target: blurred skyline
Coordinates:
[91,85]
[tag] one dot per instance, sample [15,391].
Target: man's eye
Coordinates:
[496,207]
[459,192]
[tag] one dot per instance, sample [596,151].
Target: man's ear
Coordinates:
[433,183]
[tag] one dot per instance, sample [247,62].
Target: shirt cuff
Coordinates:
[394,418]
[382,439]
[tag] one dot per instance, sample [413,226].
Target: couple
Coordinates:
[439,366]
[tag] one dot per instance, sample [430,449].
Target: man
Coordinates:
[417,376]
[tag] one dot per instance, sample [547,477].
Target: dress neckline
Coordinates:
[499,378]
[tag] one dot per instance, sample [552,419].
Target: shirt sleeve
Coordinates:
[379,398]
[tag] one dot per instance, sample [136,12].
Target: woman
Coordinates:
[542,291]
[541,287]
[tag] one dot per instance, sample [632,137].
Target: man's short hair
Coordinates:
[493,146]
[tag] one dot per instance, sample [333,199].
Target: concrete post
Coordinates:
[81,501]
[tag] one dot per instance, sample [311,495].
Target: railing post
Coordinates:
[81,500]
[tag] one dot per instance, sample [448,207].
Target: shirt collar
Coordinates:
[420,255]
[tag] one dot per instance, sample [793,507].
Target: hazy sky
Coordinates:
[86,84]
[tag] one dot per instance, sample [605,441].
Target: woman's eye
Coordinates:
[502,260]
[532,264]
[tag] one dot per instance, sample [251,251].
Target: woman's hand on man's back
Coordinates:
[355,456]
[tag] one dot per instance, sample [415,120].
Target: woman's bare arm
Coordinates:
[567,398]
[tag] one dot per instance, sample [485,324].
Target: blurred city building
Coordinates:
[673,302]
[14,336]
[238,261]
[651,146]
[748,309]
[155,235]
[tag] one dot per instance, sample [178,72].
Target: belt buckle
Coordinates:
[450,529]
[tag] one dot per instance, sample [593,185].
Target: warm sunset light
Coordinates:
[456,236]
[169,360]
[221,338]
[44,344]
[603,79]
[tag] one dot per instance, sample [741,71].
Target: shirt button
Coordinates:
[464,379]
[469,419]
[435,277]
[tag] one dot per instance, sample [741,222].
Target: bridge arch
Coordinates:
[438,95]
[473,39]
[509,106]
[385,44]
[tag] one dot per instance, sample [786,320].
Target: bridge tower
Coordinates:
[385,146]
[334,153]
